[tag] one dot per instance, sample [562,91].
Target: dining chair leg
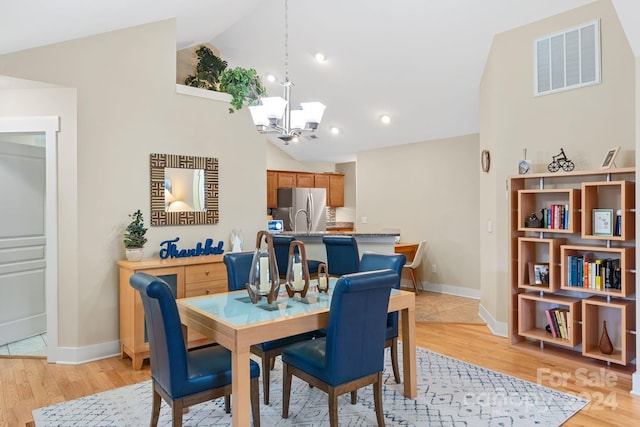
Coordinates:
[227,404]
[155,407]
[333,407]
[394,359]
[286,389]
[177,408]
[377,399]
[266,376]
[414,280]
[255,401]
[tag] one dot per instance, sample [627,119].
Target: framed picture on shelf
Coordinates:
[538,273]
[609,158]
[603,222]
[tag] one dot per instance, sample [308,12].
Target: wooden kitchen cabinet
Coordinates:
[305,180]
[272,189]
[187,277]
[333,183]
[286,179]
[335,197]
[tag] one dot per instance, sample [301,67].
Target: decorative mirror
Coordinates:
[184,190]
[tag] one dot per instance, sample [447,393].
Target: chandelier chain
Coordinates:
[286,40]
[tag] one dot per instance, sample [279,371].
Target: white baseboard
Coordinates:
[446,289]
[635,384]
[500,329]
[23,328]
[80,355]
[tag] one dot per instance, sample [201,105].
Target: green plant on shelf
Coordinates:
[243,84]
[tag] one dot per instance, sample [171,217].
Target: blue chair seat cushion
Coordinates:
[209,368]
[309,356]
[282,342]
[313,264]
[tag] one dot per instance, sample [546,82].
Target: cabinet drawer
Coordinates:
[205,288]
[205,272]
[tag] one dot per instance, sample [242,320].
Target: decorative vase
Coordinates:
[264,279]
[297,270]
[134,254]
[605,343]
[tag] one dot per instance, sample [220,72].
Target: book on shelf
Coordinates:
[555,217]
[598,274]
[551,322]
[559,320]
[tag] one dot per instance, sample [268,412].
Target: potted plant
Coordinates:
[208,70]
[134,237]
[243,84]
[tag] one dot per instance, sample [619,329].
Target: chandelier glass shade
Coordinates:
[274,115]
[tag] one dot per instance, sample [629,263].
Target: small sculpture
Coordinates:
[561,161]
[533,221]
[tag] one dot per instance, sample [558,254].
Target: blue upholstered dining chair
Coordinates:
[281,245]
[183,378]
[342,255]
[352,354]
[238,268]
[371,261]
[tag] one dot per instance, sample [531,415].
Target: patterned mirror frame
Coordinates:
[158,163]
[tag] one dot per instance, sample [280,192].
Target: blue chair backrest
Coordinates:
[342,254]
[281,248]
[238,269]
[167,349]
[357,325]
[372,261]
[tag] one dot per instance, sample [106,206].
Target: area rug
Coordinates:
[451,393]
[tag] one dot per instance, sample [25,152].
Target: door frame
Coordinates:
[50,125]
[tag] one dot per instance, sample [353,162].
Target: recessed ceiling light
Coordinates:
[271,78]
[334,130]
[320,57]
[385,119]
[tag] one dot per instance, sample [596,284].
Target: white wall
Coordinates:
[119,105]
[586,122]
[429,191]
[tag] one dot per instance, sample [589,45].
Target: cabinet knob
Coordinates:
[207,272]
[208,291]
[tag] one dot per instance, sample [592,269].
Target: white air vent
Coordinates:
[568,59]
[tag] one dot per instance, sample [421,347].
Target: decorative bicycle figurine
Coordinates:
[561,161]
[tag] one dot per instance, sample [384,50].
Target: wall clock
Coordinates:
[485,160]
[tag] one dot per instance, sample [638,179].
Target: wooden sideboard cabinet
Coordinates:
[187,277]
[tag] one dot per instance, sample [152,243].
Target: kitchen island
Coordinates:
[378,242]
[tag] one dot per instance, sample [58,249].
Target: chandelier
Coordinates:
[275,116]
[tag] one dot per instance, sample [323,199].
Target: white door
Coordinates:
[22,236]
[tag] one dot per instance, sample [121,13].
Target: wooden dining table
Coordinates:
[233,321]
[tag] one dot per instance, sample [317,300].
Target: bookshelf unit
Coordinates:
[566,203]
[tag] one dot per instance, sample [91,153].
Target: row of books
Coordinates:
[556,217]
[587,272]
[560,322]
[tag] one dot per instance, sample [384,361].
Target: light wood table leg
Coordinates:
[409,352]
[241,387]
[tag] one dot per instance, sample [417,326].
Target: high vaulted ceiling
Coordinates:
[420,61]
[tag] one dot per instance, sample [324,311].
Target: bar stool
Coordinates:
[342,255]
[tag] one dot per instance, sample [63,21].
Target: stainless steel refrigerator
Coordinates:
[302,210]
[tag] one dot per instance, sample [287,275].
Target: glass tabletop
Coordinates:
[237,309]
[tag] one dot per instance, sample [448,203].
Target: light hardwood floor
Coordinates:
[26,384]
